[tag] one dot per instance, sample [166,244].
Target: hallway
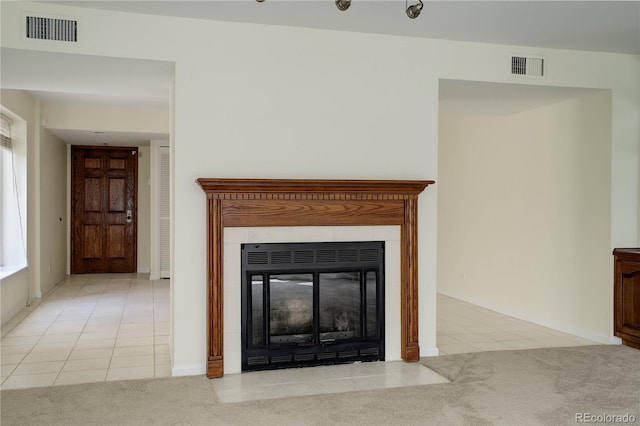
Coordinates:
[91,328]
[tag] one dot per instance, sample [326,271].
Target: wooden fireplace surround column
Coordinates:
[273,202]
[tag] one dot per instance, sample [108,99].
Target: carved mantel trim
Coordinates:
[286,202]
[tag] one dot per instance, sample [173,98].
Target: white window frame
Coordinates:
[13,168]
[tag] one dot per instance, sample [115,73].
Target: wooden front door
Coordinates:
[104,186]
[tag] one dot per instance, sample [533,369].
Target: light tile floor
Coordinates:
[90,328]
[464,327]
[94,328]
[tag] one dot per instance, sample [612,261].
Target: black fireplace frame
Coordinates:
[328,257]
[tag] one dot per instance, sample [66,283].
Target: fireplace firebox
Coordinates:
[309,304]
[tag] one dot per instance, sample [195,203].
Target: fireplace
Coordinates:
[309,304]
[238,203]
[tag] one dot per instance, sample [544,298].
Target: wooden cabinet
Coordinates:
[626,296]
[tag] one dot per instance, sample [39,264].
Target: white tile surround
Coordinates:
[233,237]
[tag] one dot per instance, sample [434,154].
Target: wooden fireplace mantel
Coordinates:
[286,202]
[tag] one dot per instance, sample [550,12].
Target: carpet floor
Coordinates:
[526,387]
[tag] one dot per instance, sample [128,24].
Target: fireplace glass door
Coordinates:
[312,303]
[339,305]
[291,309]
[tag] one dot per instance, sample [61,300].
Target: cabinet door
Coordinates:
[628,298]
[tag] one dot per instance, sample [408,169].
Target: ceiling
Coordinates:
[98,137]
[471,97]
[70,78]
[607,26]
[62,78]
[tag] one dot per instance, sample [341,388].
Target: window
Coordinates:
[12,193]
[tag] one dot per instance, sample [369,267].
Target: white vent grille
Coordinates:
[42,28]
[521,65]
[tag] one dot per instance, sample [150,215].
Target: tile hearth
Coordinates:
[272,384]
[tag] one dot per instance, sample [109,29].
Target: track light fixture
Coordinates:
[414,10]
[343,4]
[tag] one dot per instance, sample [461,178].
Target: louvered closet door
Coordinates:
[165,211]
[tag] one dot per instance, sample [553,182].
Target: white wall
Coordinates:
[292,98]
[13,295]
[323,105]
[524,215]
[52,242]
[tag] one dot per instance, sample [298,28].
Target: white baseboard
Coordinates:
[189,370]
[429,351]
[144,270]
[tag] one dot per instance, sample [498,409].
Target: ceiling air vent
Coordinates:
[52,29]
[521,65]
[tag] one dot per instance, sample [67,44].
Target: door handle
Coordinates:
[129,216]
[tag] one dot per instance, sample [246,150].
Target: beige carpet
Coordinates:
[528,387]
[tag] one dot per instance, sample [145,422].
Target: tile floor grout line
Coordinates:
[113,350]
[76,341]
[82,330]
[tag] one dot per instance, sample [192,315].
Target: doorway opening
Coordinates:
[535,234]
